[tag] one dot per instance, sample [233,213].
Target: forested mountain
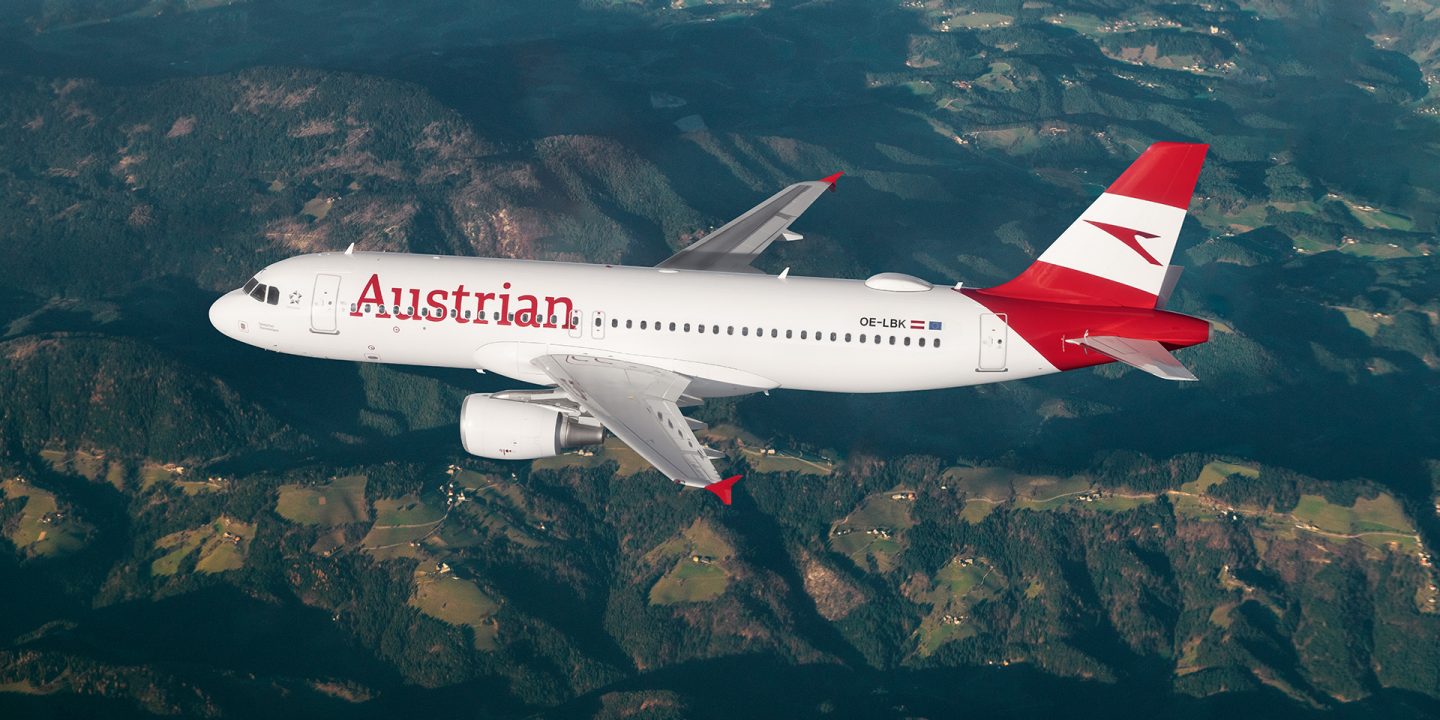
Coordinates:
[189,526]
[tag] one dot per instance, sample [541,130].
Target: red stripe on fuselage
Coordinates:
[1044,282]
[1046,326]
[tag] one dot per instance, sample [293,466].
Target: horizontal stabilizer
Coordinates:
[1147,355]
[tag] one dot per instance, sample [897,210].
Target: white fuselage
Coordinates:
[734,332]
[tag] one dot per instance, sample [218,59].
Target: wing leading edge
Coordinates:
[735,245]
[640,405]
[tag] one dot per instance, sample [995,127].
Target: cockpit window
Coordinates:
[272,295]
[249,285]
[258,292]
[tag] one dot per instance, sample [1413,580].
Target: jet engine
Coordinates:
[517,430]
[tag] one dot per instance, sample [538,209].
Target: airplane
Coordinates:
[624,349]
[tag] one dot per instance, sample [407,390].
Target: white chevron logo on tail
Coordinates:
[1118,251]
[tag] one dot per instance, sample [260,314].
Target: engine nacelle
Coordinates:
[515,430]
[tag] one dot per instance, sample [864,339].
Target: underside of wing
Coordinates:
[735,245]
[639,405]
[1147,355]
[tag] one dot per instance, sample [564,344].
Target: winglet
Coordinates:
[832,180]
[722,488]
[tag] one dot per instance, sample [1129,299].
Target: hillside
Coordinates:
[193,527]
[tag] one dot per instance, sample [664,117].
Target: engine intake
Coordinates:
[514,430]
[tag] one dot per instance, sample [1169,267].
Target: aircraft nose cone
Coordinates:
[223,315]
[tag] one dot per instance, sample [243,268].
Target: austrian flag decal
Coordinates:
[924,324]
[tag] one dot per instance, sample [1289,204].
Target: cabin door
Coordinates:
[993,332]
[576,324]
[325,304]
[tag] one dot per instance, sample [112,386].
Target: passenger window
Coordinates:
[467,314]
[598,321]
[847,337]
[629,324]
[892,339]
[715,329]
[789,334]
[922,342]
[862,338]
[832,337]
[672,327]
[614,322]
[730,330]
[745,331]
[774,332]
[907,341]
[804,335]
[642,324]
[937,342]
[687,327]
[701,328]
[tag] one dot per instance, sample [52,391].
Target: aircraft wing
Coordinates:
[640,405]
[732,247]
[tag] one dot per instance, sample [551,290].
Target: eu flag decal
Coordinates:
[934,324]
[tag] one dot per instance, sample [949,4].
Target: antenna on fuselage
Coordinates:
[785,273]
[350,250]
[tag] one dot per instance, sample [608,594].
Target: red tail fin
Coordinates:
[1117,252]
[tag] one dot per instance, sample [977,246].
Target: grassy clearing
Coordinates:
[90,465]
[1383,514]
[955,589]
[699,573]
[875,531]
[43,529]
[400,521]
[1215,473]
[1117,504]
[318,208]
[977,509]
[781,462]
[456,601]
[222,545]
[494,508]
[628,461]
[1045,492]
[979,20]
[338,502]
[993,484]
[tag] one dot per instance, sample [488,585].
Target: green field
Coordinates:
[32,533]
[458,602]
[1376,522]
[495,508]
[1043,492]
[400,521]
[954,590]
[856,536]
[785,463]
[699,572]
[977,509]
[991,483]
[338,502]
[217,552]
[1215,473]
[628,460]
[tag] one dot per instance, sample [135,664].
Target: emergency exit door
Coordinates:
[994,333]
[324,304]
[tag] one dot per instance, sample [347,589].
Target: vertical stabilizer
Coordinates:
[1118,251]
